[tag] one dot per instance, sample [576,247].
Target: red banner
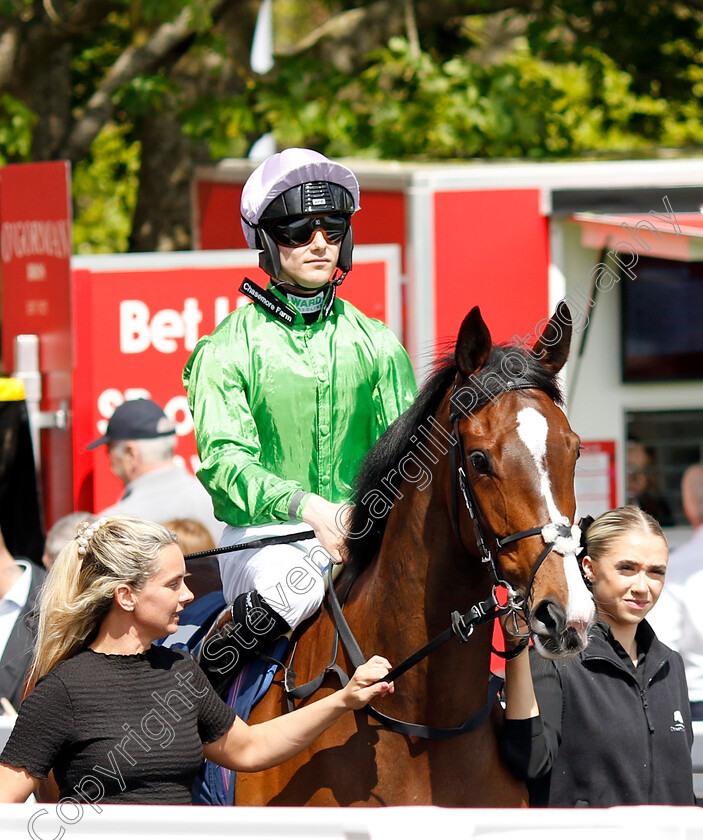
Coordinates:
[36,247]
[35,242]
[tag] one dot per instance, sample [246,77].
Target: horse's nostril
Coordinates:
[551,616]
[572,639]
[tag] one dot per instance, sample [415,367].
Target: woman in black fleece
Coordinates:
[612,725]
[119,720]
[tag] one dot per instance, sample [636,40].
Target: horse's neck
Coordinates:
[405,599]
[421,573]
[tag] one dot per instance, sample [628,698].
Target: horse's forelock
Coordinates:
[509,368]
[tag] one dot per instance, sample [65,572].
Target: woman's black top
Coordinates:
[608,733]
[119,728]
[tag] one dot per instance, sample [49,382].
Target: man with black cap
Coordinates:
[140,442]
[288,395]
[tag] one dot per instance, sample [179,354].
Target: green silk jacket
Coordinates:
[280,408]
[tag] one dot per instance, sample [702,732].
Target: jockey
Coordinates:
[288,395]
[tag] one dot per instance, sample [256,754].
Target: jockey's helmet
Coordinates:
[290,186]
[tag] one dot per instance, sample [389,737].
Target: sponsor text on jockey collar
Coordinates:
[307,305]
[268,301]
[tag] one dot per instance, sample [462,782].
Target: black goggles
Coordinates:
[300,231]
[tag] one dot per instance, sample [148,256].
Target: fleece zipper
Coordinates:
[645,708]
[650,745]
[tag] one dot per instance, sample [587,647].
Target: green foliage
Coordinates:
[413,106]
[144,94]
[156,11]
[655,43]
[10,9]
[16,125]
[224,125]
[563,78]
[105,193]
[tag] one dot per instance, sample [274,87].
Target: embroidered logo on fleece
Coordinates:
[678,725]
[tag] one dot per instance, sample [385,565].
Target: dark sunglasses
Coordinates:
[296,232]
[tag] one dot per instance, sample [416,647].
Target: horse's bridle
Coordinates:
[459,468]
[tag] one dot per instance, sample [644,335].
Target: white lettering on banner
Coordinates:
[139,330]
[192,316]
[36,271]
[222,309]
[176,409]
[36,307]
[134,326]
[112,397]
[107,403]
[35,239]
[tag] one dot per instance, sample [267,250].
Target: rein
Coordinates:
[462,626]
[264,541]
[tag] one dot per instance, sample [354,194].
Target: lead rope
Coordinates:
[462,627]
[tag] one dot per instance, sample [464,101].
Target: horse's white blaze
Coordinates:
[580,607]
[533,430]
[532,427]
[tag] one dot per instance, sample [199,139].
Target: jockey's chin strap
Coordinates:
[330,288]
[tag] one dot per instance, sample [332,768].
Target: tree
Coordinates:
[135,93]
[69,70]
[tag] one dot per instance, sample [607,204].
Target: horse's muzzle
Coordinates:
[554,636]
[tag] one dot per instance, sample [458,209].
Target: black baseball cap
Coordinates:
[136,420]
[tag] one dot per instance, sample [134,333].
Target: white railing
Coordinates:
[144,822]
[37,821]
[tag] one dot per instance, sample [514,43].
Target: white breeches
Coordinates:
[289,577]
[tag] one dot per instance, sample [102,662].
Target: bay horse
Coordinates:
[415,554]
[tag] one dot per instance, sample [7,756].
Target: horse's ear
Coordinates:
[473,345]
[552,347]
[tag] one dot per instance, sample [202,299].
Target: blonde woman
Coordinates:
[120,720]
[611,726]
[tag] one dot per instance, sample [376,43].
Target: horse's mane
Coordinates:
[411,429]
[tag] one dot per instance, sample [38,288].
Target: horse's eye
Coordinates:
[479,462]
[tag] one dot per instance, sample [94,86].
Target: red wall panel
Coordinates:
[218,218]
[491,250]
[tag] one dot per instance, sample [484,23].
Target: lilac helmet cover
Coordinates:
[288,169]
